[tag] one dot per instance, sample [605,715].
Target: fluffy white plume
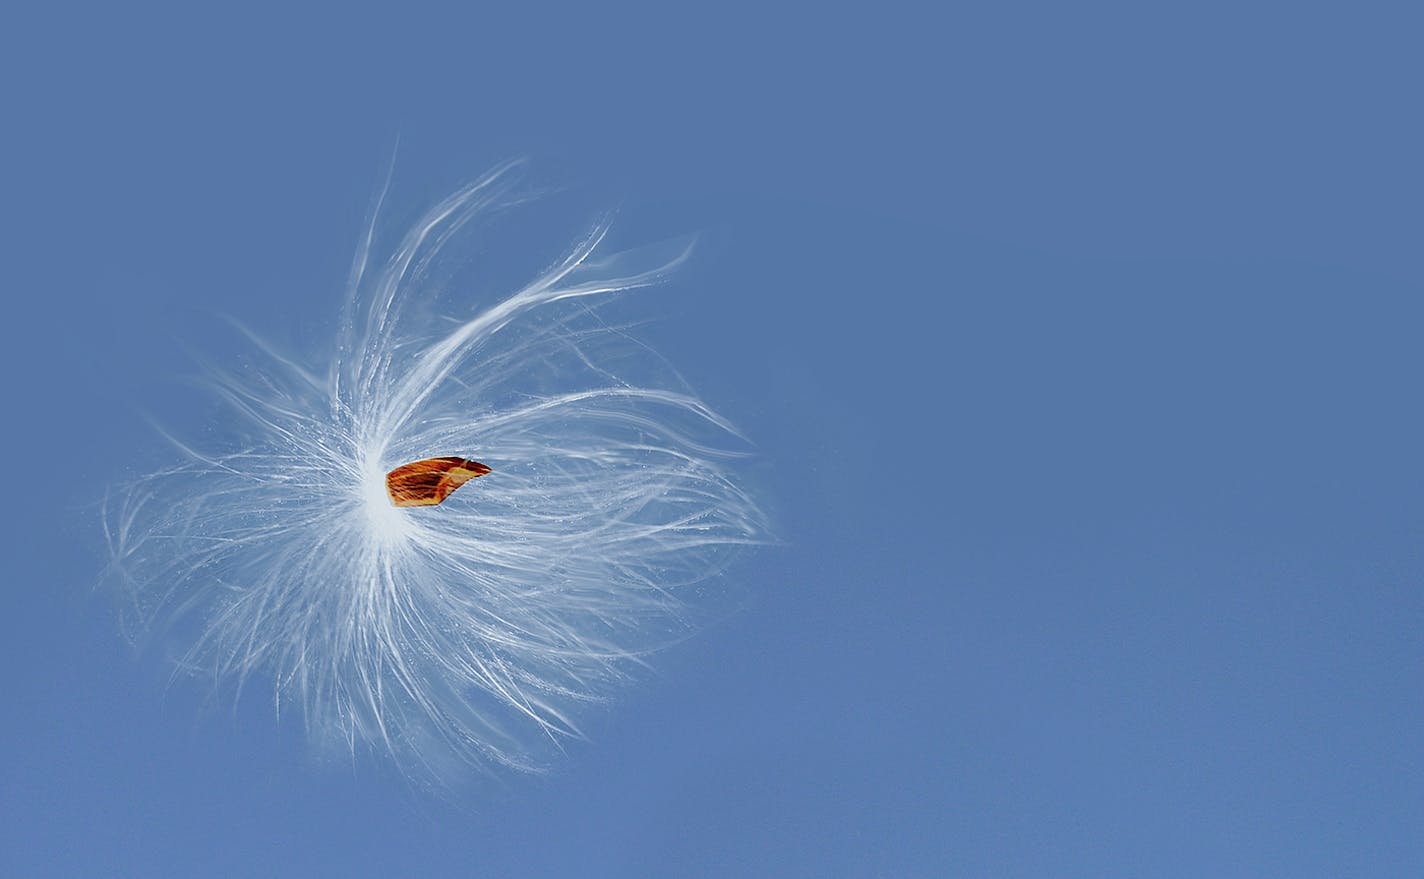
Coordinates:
[475,630]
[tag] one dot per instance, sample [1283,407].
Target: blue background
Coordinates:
[1080,346]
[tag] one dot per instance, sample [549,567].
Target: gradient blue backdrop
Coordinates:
[1081,344]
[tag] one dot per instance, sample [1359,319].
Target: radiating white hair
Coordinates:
[470,632]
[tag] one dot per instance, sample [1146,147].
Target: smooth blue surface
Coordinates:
[1081,345]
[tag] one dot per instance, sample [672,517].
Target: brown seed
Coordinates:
[428,482]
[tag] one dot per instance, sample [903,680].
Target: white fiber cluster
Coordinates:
[471,632]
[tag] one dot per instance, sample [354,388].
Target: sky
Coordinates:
[1080,352]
